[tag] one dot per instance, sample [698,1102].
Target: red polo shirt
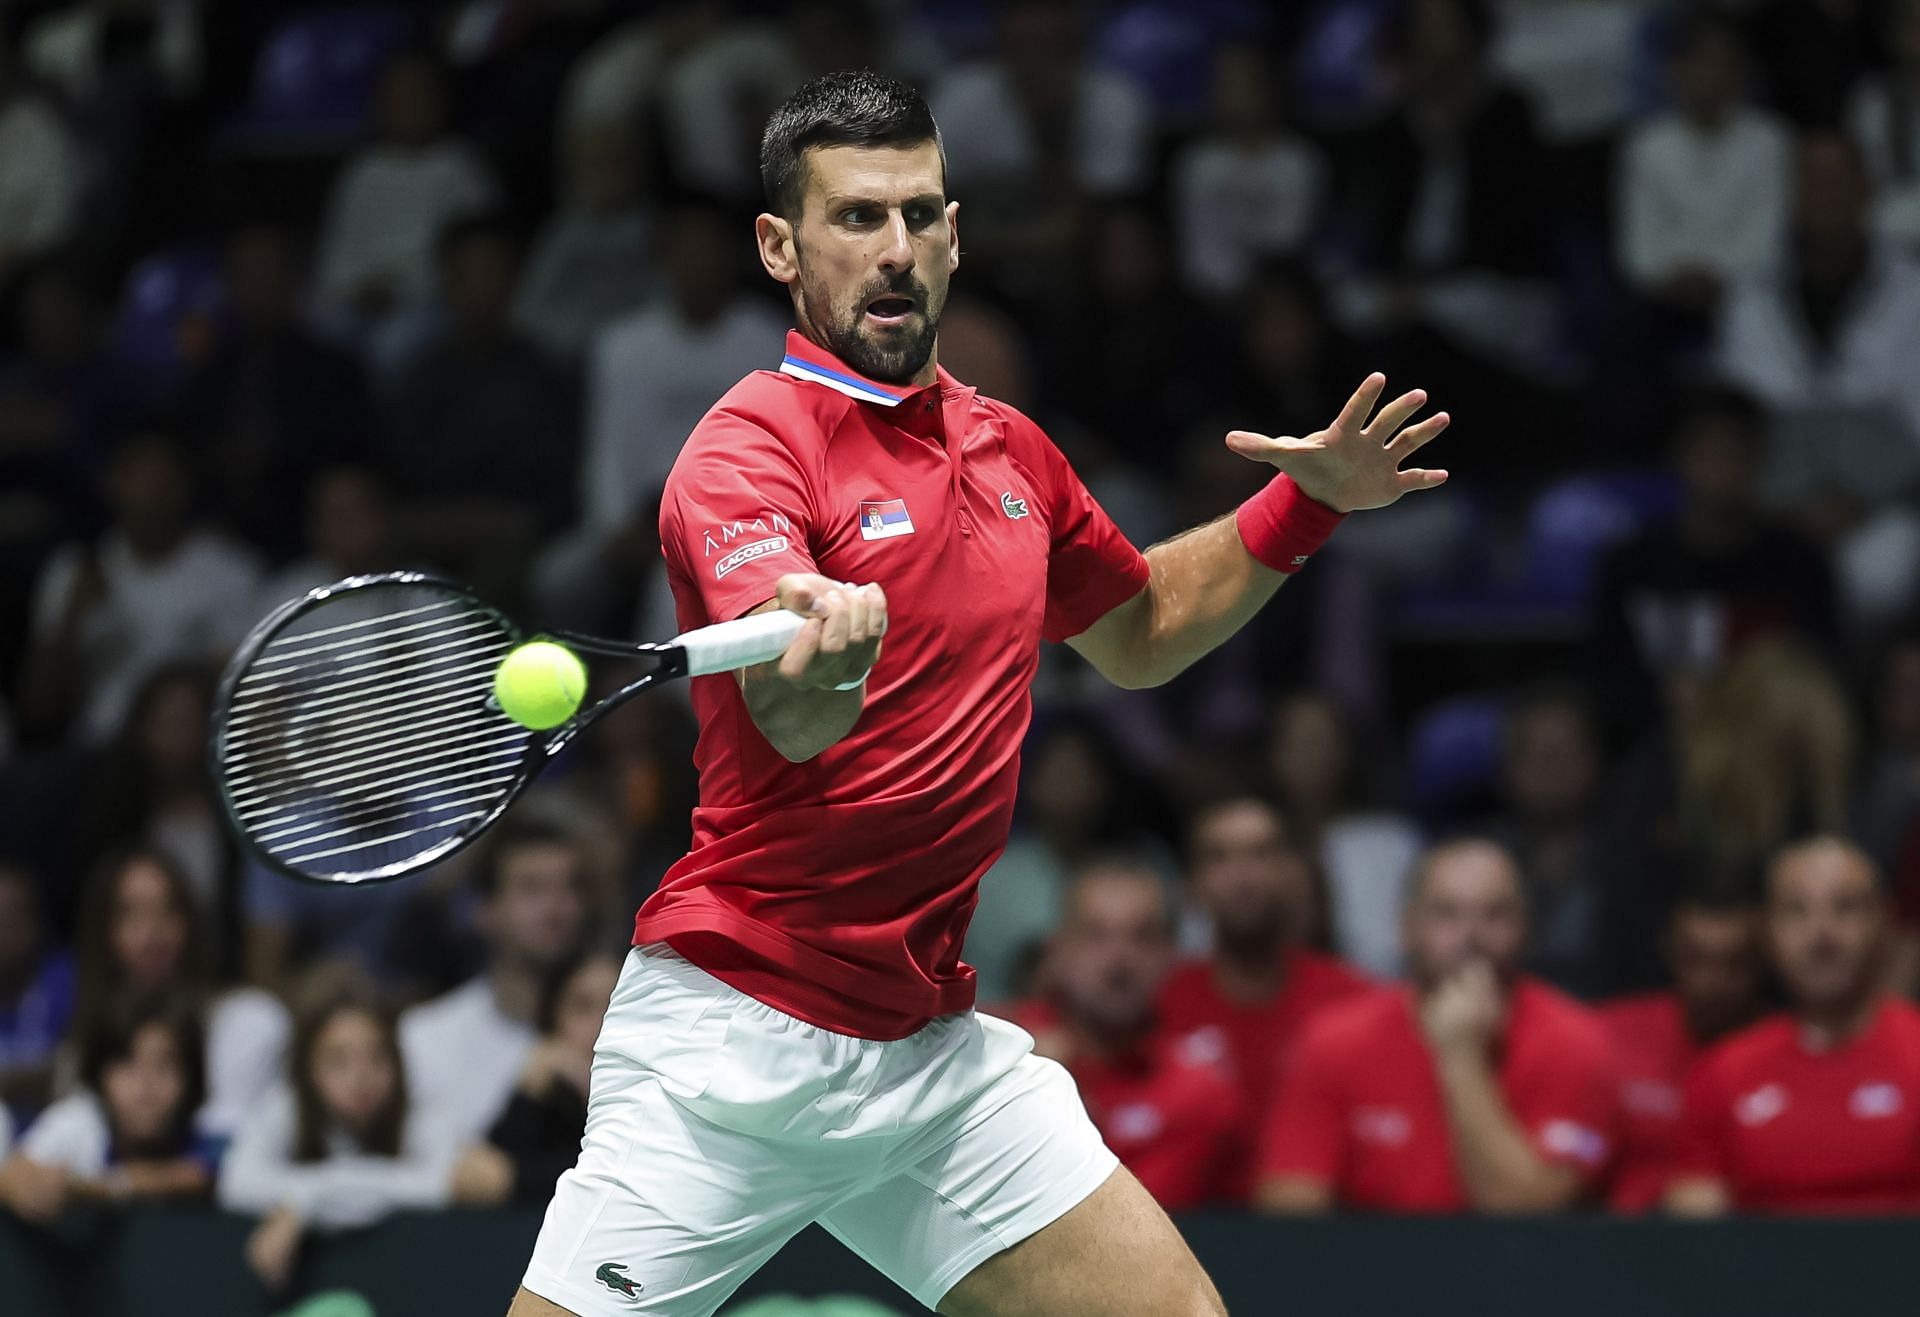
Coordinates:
[1653,1054]
[1360,1106]
[1168,1107]
[1791,1129]
[838,890]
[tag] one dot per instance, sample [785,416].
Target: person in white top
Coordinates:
[393,197]
[155,587]
[1703,190]
[140,928]
[39,171]
[465,1050]
[341,1146]
[1885,121]
[129,1132]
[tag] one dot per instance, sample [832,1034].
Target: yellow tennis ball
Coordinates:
[540,684]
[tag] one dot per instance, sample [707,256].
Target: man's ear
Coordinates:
[779,254]
[953,236]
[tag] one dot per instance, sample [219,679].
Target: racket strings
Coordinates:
[362,739]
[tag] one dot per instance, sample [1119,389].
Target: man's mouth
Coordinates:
[890,310]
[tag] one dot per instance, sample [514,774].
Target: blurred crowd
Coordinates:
[290,293]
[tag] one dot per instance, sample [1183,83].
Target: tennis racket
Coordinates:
[355,733]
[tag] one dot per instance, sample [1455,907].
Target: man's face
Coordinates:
[1552,762]
[1113,949]
[871,255]
[1832,193]
[536,913]
[1706,78]
[1467,907]
[1825,919]
[1720,465]
[1715,955]
[1253,888]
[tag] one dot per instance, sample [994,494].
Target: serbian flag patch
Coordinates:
[882,520]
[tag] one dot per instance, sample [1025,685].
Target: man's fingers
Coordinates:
[877,611]
[1360,406]
[1264,448]
[801,651]
[1396,413]
[1421,478]
[833,625]
[1414,437]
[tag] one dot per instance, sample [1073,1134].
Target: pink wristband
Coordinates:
[1282,527]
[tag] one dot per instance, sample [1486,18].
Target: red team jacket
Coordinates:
[1653,1054]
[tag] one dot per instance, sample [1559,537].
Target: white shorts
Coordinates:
[718,1127]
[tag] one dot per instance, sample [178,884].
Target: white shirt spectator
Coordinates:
[248,1032]
[706,98]
[1237,204]
[1711,200]
[154,612]
[66,47]
[463,1056]
[346,1190]
[651,377]
[386,212]
[72,1134]
[986,135]
[37,173]
[1885,123]
[587,270]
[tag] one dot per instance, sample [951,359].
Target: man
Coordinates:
[1162,1099]
[1713,948]
[1473,1089]
[1263,982]
[464,1050]
[1816,1109]
[793,1038]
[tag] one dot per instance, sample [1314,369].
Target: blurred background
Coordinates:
[290,292]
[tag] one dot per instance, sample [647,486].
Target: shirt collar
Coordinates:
[807,360]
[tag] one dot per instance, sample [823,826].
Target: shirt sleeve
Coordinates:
[736,516]
[71,1134]
[1303,1131]
[1092,568]
[1571,1117]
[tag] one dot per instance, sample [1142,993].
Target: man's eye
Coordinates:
[857,215]
[921,216]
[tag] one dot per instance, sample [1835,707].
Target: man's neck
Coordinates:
[516,989]
[1107,1043]
[1827,1027]
[1248,976]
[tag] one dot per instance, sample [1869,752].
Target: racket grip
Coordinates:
[741,643]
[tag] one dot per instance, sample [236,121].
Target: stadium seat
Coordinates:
[1336,76]
[1453,752]
[167,310]
[317,74]
[1167,48]
[1575,521]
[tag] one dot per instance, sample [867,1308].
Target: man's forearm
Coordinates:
[1499,1169]
[798,722]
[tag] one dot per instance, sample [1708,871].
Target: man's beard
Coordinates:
[1251,937]
[903,354]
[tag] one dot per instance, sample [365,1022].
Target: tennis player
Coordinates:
[793,1037]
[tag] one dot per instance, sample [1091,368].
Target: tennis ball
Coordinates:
[540,684]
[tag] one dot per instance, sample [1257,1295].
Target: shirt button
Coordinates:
[929,404]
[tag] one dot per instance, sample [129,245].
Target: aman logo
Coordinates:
[882,519]
[746,553]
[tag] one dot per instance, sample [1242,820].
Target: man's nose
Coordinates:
[897,255]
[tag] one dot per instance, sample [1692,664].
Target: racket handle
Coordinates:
[741,643]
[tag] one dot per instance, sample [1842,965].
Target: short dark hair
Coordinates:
[849,108]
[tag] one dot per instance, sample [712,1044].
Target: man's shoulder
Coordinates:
[770,410]
[1642,1013]
[1759,1044]
[1323,974]
[1353,1027]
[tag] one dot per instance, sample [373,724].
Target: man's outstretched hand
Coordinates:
[1354,464]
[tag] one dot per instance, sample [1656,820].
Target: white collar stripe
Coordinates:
[841,383]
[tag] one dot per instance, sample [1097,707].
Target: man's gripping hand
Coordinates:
[841,641]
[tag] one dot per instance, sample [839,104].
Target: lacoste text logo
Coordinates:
[747,553]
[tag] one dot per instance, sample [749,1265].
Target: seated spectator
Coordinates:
[537,1137]
[483,423]
[1713,949]
[392,198]
[155,587]
[1551,823]
[1293,369]
[39,168]
[1474,1088]
[345,1145]
[1246,190]
[36,996]
[142,930]
[1679,599]
[128,1133]
[275,404]
[1885,123]
[1886,814]
[1817,1109]
[466,1049]
[1264,981]
[1164,1099]
[350,531]
[592,261]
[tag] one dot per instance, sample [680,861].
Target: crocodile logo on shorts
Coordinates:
[611,1275]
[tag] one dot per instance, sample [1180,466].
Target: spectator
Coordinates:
[465,1050]
[1293,369]
[538,1136]
[1886,816]
[155,587]
[591,262]
[1713,949]
[1885,123]
[349,532]
[1703,188]
[275,403]
[484,425]
[1475,1088]
[1248,189]
[142,931]
[391,199]
[36,996]
[1816,1109]
[347,1145]
[1263,981]
[1315,771]
[1164,1099]
[129,1132]
[1552,826]
[39,169]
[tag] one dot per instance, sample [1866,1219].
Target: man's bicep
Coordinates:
[736,516]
